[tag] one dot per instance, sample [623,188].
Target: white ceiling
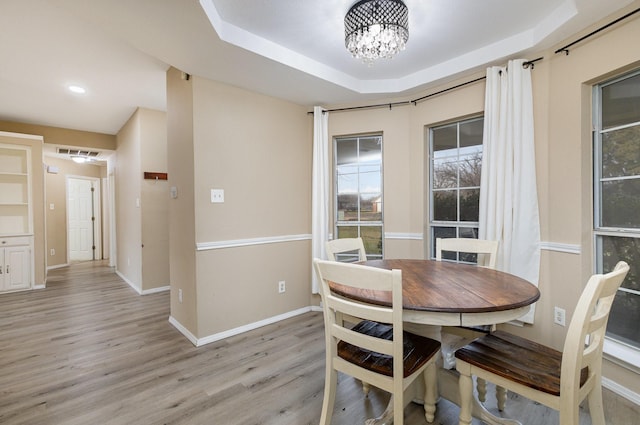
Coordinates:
[293,49]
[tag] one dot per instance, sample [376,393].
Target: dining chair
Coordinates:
[486,251]
[560,380]
[346,250]
[376,350]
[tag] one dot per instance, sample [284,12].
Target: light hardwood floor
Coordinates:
[89,350]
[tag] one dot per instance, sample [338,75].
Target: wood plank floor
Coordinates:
[89,350]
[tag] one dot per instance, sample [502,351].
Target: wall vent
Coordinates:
[78,152]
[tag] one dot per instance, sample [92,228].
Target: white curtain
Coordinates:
[508,193]
[320,190]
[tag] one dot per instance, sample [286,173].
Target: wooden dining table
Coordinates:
[441,293]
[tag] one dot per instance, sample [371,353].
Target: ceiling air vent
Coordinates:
[78,152]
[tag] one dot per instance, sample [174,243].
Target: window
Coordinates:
[455,153]
[358,165]
[617,204]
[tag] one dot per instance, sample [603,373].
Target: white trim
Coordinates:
[39,286]
[621,391]
[57,266]
[561,247]
[184,331]
[622,355]
[204,246]
[156,290]
[251,326]
[409,236]
[129,282]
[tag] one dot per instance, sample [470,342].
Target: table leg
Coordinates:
[448,382]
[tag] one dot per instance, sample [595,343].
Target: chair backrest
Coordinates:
[487,250]
[352,250]
[589,323]
[367,278]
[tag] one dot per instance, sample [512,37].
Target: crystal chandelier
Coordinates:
[376,29]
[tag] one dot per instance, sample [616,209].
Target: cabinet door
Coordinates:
[16,268]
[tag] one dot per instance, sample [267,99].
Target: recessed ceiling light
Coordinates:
[77,89]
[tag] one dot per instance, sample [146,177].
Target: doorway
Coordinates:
[83,219]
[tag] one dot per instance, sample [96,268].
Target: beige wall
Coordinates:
[63,136]
[182,255]
[142,205]
[258,149]
[562,108]
[154,200]
[56,194]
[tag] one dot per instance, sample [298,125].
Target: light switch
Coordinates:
[217,196]
[173,192]
[51,206]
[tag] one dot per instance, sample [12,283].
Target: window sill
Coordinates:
[622,355]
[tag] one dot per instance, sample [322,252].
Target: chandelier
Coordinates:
[376,29]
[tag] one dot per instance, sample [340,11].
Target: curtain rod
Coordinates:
[415,101]
[566,48]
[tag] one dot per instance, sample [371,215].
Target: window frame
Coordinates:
[617,351]
[457,225]
[359,224]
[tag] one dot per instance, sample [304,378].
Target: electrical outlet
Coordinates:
[53,252]
[180,295]
[281,287]
[559,316]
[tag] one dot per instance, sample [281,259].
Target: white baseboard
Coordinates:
[57,266]
[156,290]
[184,331]
[621,391]
[239,330]
[135,288]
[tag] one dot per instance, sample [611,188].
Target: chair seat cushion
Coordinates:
[517,359]
[417,350]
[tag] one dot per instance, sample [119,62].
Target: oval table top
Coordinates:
[447,287]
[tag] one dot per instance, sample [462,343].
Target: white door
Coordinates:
[16,267]
[81,219]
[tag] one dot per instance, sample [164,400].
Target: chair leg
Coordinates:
[466,394]
[330,385]
[501,397]
[596,410]
[430,392]
[481,386]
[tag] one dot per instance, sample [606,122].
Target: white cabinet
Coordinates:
[15,263]
[16,220]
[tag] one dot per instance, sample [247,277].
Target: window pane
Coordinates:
[471,167]
[445,138]
[348,207]
[347,152]
[616,248]
[371,207]
[620,203]
[624,319]
[370,181]
[621,102]
[621,152]
[445,173]
[370,150]
[469,204]
[471,133]
[468,232]
[347,232]
[443,232]
[372,239]
[445,205]
[347,183]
